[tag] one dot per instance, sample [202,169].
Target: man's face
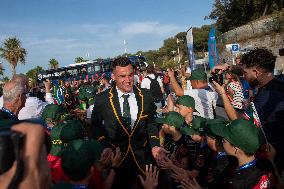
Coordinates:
[250,75]
[124,78]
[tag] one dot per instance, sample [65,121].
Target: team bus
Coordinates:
[88,70]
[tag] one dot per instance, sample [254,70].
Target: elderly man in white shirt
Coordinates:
[33,106]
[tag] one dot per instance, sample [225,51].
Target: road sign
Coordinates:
[235,48]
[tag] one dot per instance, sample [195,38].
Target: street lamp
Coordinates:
[125,50]
[179,40]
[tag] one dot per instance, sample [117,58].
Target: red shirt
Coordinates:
[56,170]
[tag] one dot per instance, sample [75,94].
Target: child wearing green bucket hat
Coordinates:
[52,115]
[78,160]
[219,164]
[212,169]
[242,139]
[200,165]
[181,148]
[185,106]
[80,164]
[61,134]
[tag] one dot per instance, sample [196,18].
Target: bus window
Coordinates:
[97,68]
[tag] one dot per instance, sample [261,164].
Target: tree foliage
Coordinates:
[53,63]
[13,52]
[79,59]
[230,14]
[32,74]
[164,56]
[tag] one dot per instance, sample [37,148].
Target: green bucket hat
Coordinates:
[242,134]
[79,156]
[187,101]
[63,133]
[53,112]
[173,119]
[195,127]
[212,125]
[198,74]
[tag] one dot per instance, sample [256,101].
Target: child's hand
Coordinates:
[151,180]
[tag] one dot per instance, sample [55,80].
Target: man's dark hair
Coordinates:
[121,61]
[259,57]
[150,69]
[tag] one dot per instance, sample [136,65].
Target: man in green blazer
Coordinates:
[123,116]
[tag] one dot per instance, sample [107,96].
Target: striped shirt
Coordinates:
[237,97]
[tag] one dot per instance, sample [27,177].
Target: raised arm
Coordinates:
[175,86]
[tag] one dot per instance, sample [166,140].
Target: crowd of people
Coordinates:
[147,128]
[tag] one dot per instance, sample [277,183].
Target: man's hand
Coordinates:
[220,67]
[218,88]
[171,73]
[151,180]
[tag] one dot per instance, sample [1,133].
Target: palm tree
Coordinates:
[53,63]
[13,52]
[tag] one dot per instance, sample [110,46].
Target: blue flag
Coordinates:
[213,54]
[189,41]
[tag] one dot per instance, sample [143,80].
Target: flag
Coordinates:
[59,92]
[251,115]
[213,54]
[189,41]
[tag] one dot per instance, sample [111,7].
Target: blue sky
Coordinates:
[65,29]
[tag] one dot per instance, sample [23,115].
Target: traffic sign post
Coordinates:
[235,48]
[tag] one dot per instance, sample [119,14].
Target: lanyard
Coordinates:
[220,154]
[80,186]
[247,165]
[12,115]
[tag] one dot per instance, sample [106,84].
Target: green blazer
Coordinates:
[110,130]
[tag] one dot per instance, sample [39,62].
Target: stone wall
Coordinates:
[250,30]
[255,34]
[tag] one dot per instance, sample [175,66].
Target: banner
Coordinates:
[189,42]
[213,54]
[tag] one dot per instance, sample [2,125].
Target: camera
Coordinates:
[11,142]
[218,78]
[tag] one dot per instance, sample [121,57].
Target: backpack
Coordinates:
[155,89]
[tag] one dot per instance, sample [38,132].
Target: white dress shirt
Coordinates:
[132,104]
